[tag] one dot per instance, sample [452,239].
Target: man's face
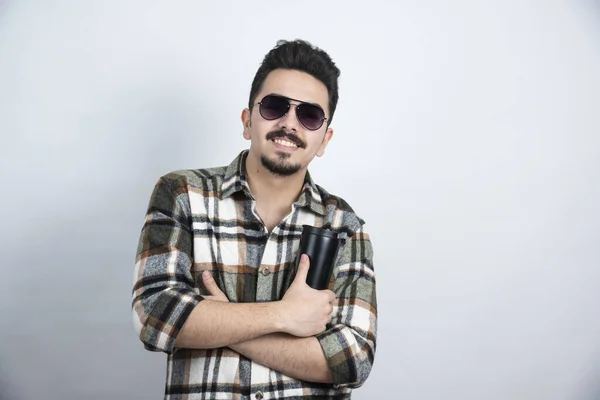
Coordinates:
[284,146]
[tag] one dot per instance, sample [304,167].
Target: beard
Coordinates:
[280,166]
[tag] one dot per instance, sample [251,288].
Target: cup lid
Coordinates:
[319,231]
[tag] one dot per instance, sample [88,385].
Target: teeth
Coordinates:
[285,143]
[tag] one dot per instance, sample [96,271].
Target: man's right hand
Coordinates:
[306,311]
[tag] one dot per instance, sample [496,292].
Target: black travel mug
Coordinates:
[321,247]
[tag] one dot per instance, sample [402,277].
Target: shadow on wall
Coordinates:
[74,257]
[7,391]
[591,391]
[590,10]
[8,387]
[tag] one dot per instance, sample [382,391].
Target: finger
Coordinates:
[330,296]
[303,267]
[211,285]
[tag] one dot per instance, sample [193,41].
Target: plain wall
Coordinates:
[467,136]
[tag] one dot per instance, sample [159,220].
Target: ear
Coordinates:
[326,140]
[246,122]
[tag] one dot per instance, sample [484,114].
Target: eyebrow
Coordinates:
[299,101]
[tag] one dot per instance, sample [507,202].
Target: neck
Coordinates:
[267,187]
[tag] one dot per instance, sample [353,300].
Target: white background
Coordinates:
[467,136]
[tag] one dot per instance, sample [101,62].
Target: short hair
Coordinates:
[302,56]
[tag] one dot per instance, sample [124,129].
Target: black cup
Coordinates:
[321,247]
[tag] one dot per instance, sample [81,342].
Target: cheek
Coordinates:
[317,140]
[262,127]
[314,146]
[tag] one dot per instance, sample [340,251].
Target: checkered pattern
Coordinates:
[206,220]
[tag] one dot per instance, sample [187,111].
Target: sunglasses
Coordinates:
[273,106]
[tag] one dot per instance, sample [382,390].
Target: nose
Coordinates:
[289,122]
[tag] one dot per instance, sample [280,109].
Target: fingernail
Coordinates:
[303,257]
[205,274]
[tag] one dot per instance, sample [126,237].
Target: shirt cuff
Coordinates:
[170,312]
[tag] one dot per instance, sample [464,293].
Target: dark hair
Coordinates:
[302,56]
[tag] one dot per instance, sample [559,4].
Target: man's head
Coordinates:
[301,56]
[292,100]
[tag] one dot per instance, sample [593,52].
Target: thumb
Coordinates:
[303,267]
[210,284]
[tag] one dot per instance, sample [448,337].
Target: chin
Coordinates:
[279,166]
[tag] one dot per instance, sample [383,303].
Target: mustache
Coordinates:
[280,134]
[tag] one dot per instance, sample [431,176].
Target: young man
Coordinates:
[216,286]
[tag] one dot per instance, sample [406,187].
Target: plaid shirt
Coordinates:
[205,220]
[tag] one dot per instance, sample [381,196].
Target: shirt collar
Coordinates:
[311,196]
[236,180]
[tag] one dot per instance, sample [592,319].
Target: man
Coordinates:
[216,286]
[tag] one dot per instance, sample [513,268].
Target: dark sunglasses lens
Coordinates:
[273,107]
[310,116]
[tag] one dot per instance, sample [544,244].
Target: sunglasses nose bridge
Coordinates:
[290,120]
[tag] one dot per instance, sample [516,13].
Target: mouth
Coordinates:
[286,141]
[279,142]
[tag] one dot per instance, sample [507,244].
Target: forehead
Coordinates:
[296,85]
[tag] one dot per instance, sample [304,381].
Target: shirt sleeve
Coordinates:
[164,292]
[350,340]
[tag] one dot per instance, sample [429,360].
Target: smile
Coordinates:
[285,143]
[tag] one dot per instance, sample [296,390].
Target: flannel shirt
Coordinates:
[205,219]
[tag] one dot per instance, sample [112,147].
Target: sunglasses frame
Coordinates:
[289,102]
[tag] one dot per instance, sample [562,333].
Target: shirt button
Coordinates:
[266,271]
[258,395]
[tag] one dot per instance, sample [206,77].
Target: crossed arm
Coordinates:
[288,336]
[278,335]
